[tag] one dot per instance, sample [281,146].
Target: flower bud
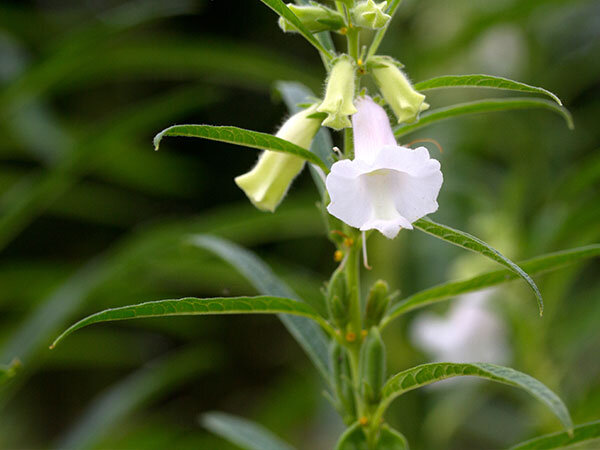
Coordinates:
[338,299]
[268,182]
[340,370]
[372,366]
[378,302]
[339,96]
[368,14]
[314,17]
[397,90]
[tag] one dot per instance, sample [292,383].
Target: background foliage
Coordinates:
[92,218]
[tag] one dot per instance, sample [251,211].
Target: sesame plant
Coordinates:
[376,181]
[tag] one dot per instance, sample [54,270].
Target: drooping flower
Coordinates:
[268,182]
[397,90]
[339,95]
[385,187]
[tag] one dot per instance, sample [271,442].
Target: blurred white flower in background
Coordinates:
[470,332]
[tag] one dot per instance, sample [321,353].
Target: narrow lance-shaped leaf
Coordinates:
[242,432]
[280,8]
[306,332]
[482,81]
[465,240]
[533,266]
[425,374]
[190,306]
[481,106]
[239,136]
[585,433]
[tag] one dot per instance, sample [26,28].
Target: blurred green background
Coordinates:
[91,217]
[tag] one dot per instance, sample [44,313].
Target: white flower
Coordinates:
[385,187]
[469,333]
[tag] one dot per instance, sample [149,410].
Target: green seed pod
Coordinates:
[372,366]
[341,380]
[337,298]
[378,302]
[315,17]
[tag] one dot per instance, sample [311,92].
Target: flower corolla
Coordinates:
[339,95]
[397,90]
[385,187]
[268,182]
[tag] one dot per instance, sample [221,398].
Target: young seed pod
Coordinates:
[378,302]
[337,298]
[372,366]
[341,380]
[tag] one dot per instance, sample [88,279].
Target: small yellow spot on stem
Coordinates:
[360,61]
[343,30]
[338,255]
[350,336]
[363,421]
[348,242]
[363,333]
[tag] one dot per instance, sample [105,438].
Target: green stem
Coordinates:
[353,282]
[353,45]
[353,354]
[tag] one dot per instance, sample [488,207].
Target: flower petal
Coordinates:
[372,129]
[400,186]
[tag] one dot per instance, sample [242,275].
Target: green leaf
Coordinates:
[133,392]
[306,332]
[482,81]
[533,266]
[469,242]
[390,439]
[190,306]
[246,138]
[242,432]
[581,434]
[352,438]
[280,8]
[480,106]
[425,374]
[9,371]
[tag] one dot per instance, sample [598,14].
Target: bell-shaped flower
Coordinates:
[385,187]
[368,14]
[268,182]
[339,95]
[470,331]
[396,89]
